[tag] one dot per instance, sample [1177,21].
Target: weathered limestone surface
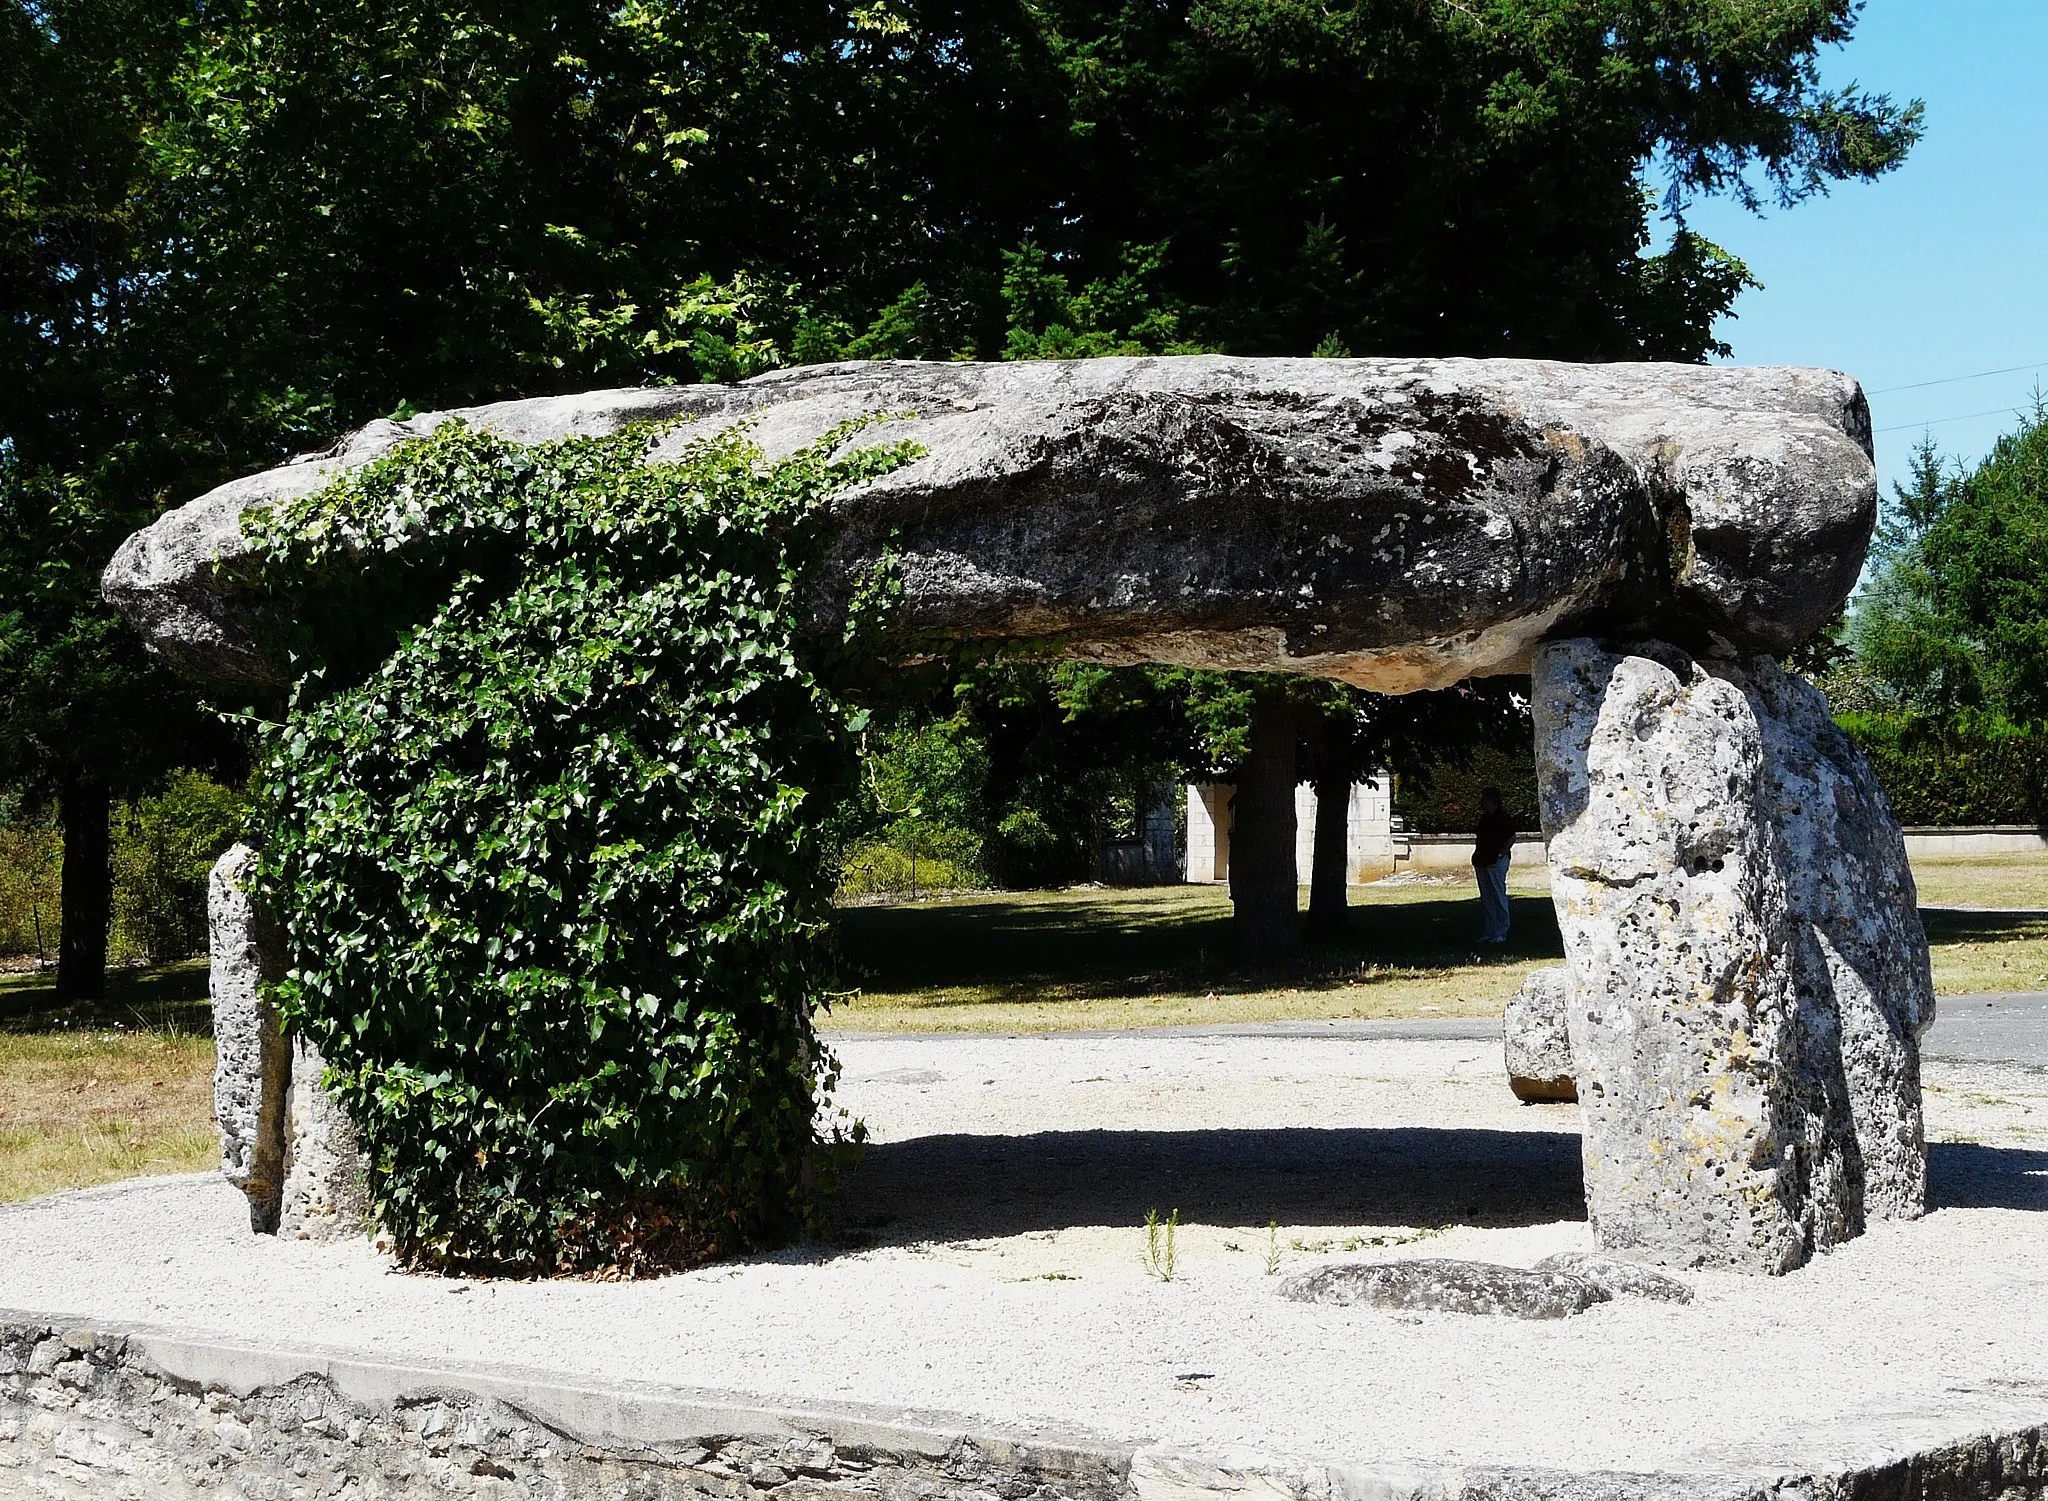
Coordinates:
[90,1416]
[1444,1286]
[252,1071]
[1535,1041]
[1621,1279]
[93,1416]
[1399,524]
[1706,836]
[1860,963]
[284,1141]
[325,1192]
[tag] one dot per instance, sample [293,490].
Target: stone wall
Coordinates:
[85,1414]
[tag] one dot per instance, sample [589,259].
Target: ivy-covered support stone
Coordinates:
[252,1072]
[1746,1038]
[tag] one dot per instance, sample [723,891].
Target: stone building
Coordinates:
[1375,842]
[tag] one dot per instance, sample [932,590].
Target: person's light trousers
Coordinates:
[1493,899]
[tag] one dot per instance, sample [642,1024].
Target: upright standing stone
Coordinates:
[252,1071]
[1860,963]
[1536,1039]
[325,1191]
[1728,1065]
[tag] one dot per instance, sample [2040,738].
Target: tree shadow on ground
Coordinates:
[964,1187]
[166,998]
[1091,946]
[1951,925]
[1969,1175]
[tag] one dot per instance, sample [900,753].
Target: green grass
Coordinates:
[171,997]
[1984,881]
[1162,956]
[1986,951]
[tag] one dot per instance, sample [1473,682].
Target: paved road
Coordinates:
[2010,1028]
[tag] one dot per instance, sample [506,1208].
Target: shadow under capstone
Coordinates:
[968,1187]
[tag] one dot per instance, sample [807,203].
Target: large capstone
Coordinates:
[1398,524]
[1749,977]
[252,1064]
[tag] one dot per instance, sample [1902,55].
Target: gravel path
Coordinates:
[1005,1195]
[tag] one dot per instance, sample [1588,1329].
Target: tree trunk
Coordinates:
[1330,872]
[88,894]
[1263,892]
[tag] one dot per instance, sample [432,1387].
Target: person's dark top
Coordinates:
[1496,836]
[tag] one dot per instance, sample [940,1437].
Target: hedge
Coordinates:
[1945,774]
[1937,774]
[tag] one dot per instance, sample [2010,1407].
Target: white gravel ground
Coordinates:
[1006,1195]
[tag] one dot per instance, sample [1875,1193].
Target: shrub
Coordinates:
[164,848]
[939,859]
[545,850]
[31,858]
[1030,851]
[1947,772]
[1443,797]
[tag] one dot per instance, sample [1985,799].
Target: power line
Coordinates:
[1938,421]
[1953,379]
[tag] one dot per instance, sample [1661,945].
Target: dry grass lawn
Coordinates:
[85,1107]
[1984,881]
[125,1092]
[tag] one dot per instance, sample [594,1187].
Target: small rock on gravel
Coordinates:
[1443,1286]
[1621,1279]
[1534,1038]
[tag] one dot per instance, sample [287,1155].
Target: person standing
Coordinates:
[1492,847]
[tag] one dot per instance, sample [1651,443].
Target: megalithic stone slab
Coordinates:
[1398,524]
[1729,1119]
[252,1068]
[1860,961]
[325,1187]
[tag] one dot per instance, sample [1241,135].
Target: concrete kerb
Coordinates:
[610,1422]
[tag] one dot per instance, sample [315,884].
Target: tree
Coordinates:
[94,432]
[1955,617]
[1394,177]
[1263,883]
[1354,734]
[231,230]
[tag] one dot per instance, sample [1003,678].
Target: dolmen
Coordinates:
[1746,979]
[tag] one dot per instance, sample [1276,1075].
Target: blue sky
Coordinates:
[1936,270]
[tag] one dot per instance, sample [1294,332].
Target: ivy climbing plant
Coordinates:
[539,824]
